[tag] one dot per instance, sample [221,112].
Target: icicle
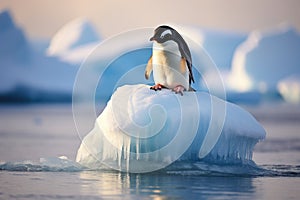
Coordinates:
[137,148]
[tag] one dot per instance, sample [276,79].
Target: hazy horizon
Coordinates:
[41,19]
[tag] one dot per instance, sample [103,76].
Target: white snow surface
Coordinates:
[265,58]
[142,130]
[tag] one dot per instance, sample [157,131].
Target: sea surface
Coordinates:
[38,145]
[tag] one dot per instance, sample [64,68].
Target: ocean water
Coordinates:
[33,137]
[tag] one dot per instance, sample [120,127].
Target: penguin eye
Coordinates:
[166,36]
[166,33]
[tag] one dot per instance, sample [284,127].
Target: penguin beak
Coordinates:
[152,38]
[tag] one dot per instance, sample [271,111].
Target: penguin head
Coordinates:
[169,39]
[163,34]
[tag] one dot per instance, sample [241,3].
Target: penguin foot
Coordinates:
[157,87]
[179,89]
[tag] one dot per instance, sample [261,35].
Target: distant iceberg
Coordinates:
[265,58]
[248,67]
[13,43]
[289,88]
[74,41]
[141,130]
[29,75]
[221,46]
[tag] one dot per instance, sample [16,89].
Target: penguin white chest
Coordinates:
[167,67]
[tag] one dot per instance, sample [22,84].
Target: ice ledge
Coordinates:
[141,128]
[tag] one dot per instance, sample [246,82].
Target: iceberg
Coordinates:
[14,45]
[74,41]
[221,46]
[265,58]
[27,74]
[141,130]
[52,164]
[289,88]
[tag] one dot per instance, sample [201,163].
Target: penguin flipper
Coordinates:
[183,65]
[149,68]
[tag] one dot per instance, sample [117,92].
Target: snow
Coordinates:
[142,130]
[265,58]
[289,88]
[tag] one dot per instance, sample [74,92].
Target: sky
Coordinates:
[42,19]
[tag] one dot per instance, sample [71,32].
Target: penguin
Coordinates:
[171,61]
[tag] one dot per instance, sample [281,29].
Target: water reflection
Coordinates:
[164,186]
